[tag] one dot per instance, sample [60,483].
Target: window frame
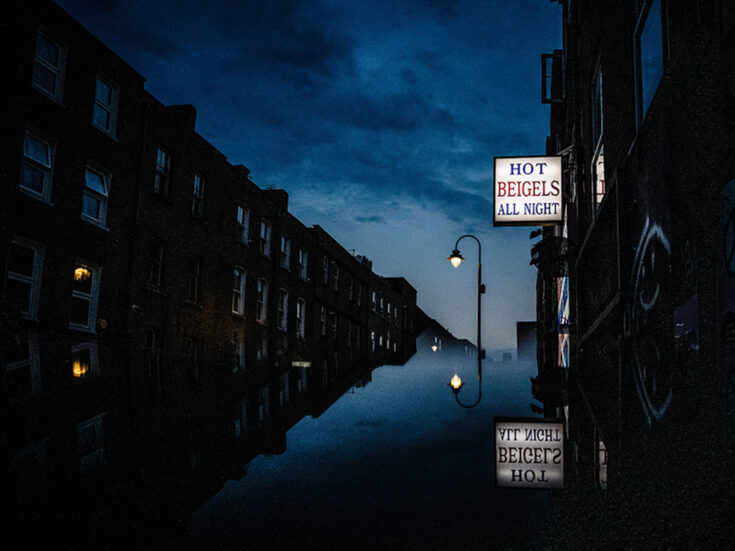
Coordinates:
[282,309]
[92,297]
[303,263]
[34,164]
[155,265]
[264,238]
[643,103]
[261,310]
[109,108]
[162,176]
[242,227]
[238,290]
[300,318]
[198,195]
[285,253]
[102,197]
[59,70]
[194,280]
[35,280]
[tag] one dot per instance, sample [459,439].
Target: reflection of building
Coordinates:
[634,287]
[143,272]
[526,341]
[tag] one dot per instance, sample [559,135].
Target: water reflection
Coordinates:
[336,453]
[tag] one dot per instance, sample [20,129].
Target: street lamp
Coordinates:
[456,259]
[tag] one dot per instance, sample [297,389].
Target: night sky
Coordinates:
[379,118]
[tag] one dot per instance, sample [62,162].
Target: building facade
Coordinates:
[152,292]
[634,289]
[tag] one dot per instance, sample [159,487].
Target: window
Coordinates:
[37,167]
[303,262]
[301,318]
[323,320]
[263,403]
[155,265]
[85,360]
[262,306]
[262,352]
[91,444]
[390,312]
[23,277]
[552,89]
[48,67]
[333,324]
[374,301]
[359,294]
[357,339]
[241,417]
[238,291]
[242,224]
[23,367]
[193,277]
[94,196]
[152,362]
[238,351]
[301,380]
[163,173]
[283,310]
[285,255]
[105,107]
[283,391]
[85,297]
[197,199]
[598,161]
[349,333]
[372,341]
[336,278]
[325,271]
[350,290]
[382,306]
[191,355]
[265,238]
[650,53]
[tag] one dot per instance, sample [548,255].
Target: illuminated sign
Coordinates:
[529,452]
[527,191]
[296,363]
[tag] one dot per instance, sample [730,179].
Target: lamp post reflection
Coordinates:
[456,259]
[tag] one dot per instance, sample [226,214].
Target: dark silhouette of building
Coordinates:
[162,317]
[526,341]
[634,289]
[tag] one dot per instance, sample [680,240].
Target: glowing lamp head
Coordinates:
[81,273]
[456,383]
[434,347]
[455,258]
[80,368]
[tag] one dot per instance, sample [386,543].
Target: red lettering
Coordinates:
[501,189]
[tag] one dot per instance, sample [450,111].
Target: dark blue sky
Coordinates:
[380,118]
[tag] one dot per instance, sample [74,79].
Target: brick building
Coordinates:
[634,288]
[161,314]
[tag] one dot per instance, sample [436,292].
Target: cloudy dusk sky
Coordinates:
[379,118]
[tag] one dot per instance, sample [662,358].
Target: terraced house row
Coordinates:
[133,249]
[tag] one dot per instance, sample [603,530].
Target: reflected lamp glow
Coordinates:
[455,258]
[80,368]
[456,383]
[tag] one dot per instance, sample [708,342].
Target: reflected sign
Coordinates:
[529,452]
[527,191]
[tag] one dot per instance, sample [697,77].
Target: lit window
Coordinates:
[238,291]
[242,224]
[95,195]
[301,318]
[37,167]
[105,107]
[283,310]
[23,276]
[285,253]
[262,305]
[155,265]
[84,297]
[163,172]
[650,52]
[303,261]
[48,67]
[197,199]
[265,238]
[85,361]
[193,282]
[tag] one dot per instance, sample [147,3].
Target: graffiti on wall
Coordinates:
[651,322]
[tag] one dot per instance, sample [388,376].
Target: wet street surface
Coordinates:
[395,463]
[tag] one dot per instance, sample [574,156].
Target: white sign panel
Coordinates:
[527,191]
[529,452]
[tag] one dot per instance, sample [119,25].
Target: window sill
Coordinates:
[82,328]
[110,134]
[37,196]
[238,315]
[45,93]
[94,222]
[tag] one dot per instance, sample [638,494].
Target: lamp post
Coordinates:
[456,259]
